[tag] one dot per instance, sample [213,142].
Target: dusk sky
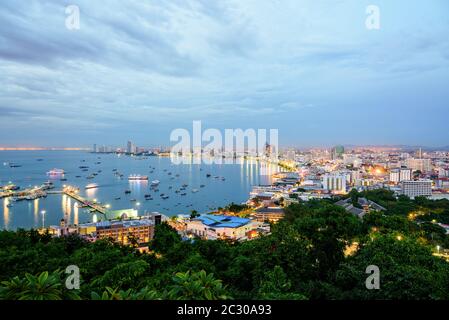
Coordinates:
[308,68]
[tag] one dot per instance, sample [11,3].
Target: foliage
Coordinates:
[304,257]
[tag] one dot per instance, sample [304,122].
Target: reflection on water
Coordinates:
[75,213]
[91,193]
[239,176]
[36,212]
[6,213]
[67,207]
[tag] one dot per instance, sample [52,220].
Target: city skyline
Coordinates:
[312,70]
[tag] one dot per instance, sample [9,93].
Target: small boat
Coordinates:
[127,191]
[155,182]
[9,205]
[55,172]
[133,200]
[195,190]
[183,194]
[208,175]
[165,197]
[118,198]
[137,177]
[39,159]
[91,186]
[202,186]
[78,177]
[63,179]
[14,165]
[90,177]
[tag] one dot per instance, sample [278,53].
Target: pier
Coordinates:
[25,194]
[73,193]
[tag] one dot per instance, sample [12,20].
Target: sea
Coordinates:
[228,182]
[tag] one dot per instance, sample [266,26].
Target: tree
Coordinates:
[165,238]
[194,214]
[44,286]
[277,286]
[196,286]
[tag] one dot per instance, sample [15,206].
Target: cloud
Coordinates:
[151,64]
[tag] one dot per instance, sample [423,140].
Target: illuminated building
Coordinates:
[418,188]
[213,227]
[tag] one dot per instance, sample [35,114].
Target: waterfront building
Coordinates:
[213,227]
[131,148]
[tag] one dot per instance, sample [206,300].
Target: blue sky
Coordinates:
[308,68]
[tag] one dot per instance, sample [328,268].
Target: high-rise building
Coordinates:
[95,149]
[131,148]
[417,188]
[337,152]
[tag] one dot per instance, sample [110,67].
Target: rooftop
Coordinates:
[222,221]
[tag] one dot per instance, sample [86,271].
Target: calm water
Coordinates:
[240,177]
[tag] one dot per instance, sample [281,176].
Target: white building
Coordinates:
[417,188]
[335,182]
[398,175]
[131,148]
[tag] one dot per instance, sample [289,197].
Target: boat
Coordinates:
[137,177]
[165,197]
[208,175]
[202,186]
[183,194]
[90,177]
[77,176]
[118,198]
[63,179]
[9,205]
[91,186]
[14,165]
[127,191]
[55,172]
[155,182]
[195,190]
[133,200]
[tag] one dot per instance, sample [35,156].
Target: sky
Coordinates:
[140,69]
